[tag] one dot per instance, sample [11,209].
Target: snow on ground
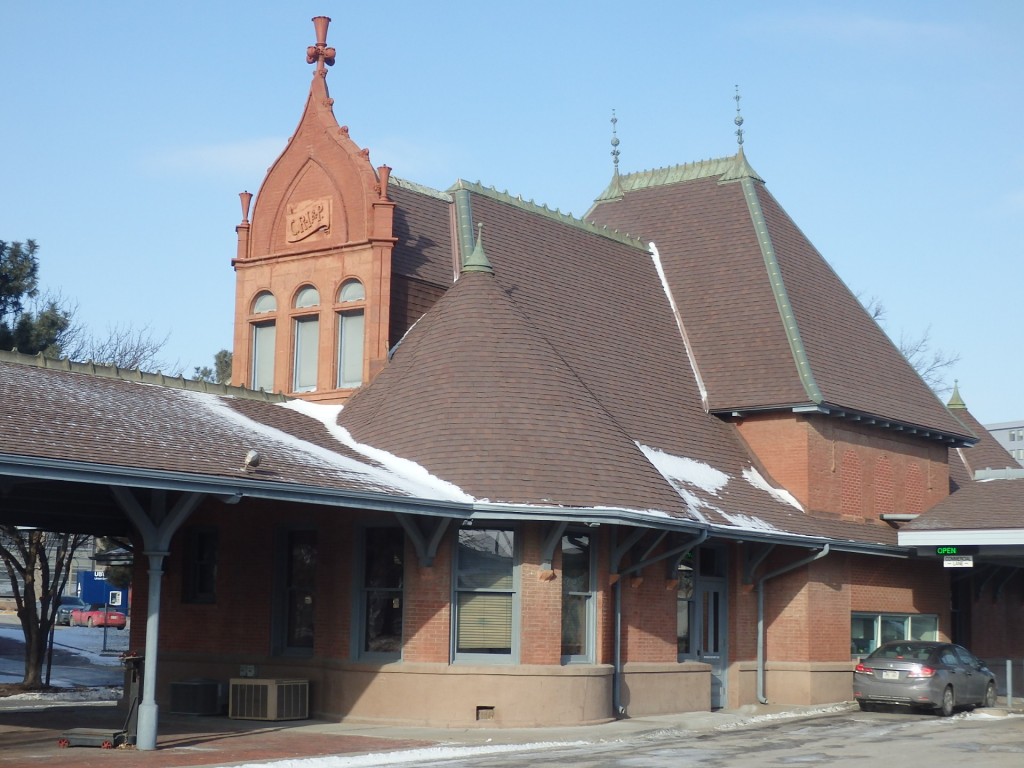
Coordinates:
[73,647]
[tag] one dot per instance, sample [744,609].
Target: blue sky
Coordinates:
[888,130]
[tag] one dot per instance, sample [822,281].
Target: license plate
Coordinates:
[890,675]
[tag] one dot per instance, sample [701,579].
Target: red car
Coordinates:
[98,616]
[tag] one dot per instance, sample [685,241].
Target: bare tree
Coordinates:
[124,346]
[38,564]
[932,364]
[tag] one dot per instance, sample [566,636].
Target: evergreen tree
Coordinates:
[23,327]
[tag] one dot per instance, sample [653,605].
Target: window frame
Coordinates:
[284,589]
[345,311]
[360,608]
[878,618]
[199,569]
[590,595]
[512,656]
[262,319]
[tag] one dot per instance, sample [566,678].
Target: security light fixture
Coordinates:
[252,459]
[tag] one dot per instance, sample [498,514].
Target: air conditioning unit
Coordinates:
[196,697]
[252,698]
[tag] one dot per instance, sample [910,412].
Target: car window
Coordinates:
[966,657]
[949,658]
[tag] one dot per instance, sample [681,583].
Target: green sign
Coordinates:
[956,550]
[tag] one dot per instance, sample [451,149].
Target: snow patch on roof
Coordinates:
[412,474]
[749,522]
[757,480]
[384,475]
[679,323]
[680,469]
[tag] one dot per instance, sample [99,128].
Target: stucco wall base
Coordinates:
[465,696]
[795,682]
[435,695]
[664,689]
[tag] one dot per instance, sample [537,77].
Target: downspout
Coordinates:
[760,614]
[617,707]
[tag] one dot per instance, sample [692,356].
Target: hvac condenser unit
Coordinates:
[252,698]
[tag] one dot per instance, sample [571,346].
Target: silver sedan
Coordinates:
[917,673]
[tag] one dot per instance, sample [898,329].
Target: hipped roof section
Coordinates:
[770,324]
[562,380]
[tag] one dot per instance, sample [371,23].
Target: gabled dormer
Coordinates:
[313,268]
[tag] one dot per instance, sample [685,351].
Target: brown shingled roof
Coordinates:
[538,384]
[72,419]
[713,256]
[995,504]
[987,453]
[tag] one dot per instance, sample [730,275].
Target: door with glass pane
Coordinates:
[701,614]
[709,633]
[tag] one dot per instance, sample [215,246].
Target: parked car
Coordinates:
[67,604]
[916,673]
[98,616]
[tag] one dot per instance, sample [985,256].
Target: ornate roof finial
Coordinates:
[615,144]
[738,119]
[320,53]
[955,401]
[477,261]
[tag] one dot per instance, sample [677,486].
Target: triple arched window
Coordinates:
[350,311]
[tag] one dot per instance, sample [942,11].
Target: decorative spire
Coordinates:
[955,401]
[615,144]
[738,119]
[477,261]
[615,188]
[320,53]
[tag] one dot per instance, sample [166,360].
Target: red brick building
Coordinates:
[516,456]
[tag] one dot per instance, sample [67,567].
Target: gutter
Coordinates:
[760,614]
[229,490]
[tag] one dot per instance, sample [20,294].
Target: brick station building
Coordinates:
[517,457]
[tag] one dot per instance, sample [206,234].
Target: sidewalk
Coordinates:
[29,734]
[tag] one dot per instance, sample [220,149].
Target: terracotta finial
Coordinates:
[246,198]
[385,173]
[320,53]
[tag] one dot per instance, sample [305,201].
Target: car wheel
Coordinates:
[89,623]
[120,628]
[865,706]
[948,702]
[990,695]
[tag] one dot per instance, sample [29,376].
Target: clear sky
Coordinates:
[887,130]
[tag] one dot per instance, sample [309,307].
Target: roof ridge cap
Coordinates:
[421,188]
[138,376]
[556,215]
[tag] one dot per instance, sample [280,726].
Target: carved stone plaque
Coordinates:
[307,217]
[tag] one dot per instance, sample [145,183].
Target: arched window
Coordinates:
[307,340]
[264,335]
[351,331]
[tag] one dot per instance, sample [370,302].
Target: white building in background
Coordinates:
[1010,435]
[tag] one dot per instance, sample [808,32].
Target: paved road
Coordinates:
[843,739]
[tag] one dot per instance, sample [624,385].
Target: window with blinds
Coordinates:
[485,594]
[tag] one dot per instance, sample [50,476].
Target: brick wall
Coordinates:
[837,467]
